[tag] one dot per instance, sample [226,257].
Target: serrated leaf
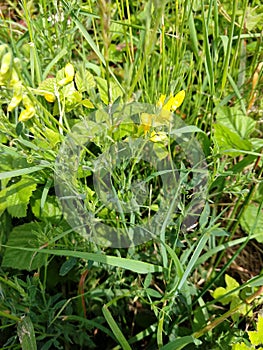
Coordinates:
[256,337]
[27,237]
[15,198]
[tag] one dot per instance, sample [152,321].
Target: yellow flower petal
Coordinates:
[69,71]
[147,121]
[161,100]
[158,136]
[14,103]
[69,75]
[26,114]
[49,97]
[17,97]
[175,102]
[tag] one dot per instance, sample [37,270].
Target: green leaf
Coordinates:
[15,198]
[26,334]
[67,266]
[115,90]
[24,236]
[48,85]
[53,137]
[129,264]
[85,81]
[240,346]
[181,342]
[256,337]
[236,121]
[219,292]
[227,140]
[51,208]
[153,293]
[115,329]
[87,103]
[252,221]
[160,150]
[19,172]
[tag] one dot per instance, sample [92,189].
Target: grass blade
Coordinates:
[115,329]
[26,334]
[128,264]
[19,172]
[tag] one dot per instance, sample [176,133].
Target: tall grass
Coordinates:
[158,294]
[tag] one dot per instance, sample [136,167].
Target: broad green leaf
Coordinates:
[256,337]
[227,140]
[254,17]
[252,221]
[26,334]
[53,137]
[115,90]
[219,292]
[160,150]
[15,198]
[48,85]
[84,81]
[51,208]
[24,236]
[257,143]
[236,121]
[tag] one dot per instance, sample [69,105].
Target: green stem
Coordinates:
[229,313]
[150,39]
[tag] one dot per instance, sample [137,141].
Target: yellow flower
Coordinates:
[27,113]
[165,116]
[49,96]
[29,110]
[159,136]
[173,102]
[69,75]
[17,97]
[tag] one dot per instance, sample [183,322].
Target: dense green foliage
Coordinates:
[193,285]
